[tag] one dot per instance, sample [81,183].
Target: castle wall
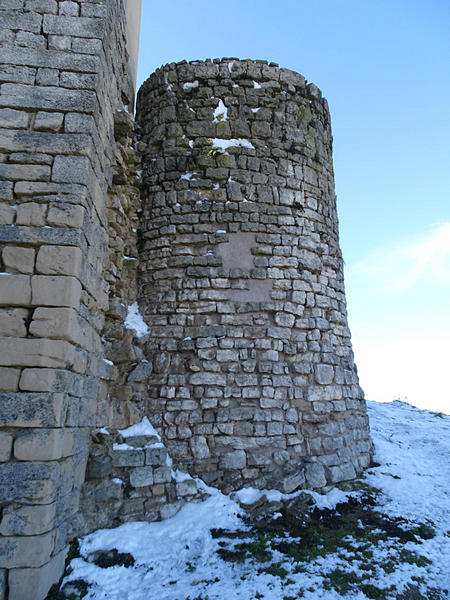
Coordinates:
[247,372]
[241,279]
[64,74]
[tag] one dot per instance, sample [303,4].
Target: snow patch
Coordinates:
[221,112]
[190,85]
[135,321]
[142,428]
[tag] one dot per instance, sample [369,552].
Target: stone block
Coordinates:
[3,581]
[66,215]
[78,123]
[170,510]
[27,520]
[15,290]
[199,447]
[31,213]
[155,456]
[52,380]
[21,21]
[59,260]
[14,119]
[42,6]
[71,169]
[208,379]
[234,460]
[6,441]
[40,235]
[188,487]
[74,26]
[27,481]
[162,475]
[315,476]
[55,291]
[50,58]
[141,476]
[127,457]
[69,9]
[141,372]
[33,410]
[109,490]
[343,472]
[34,584]
[29,352]
[44,444]
[324,374]
[18,260]
[292,482]
[49,121]
[9,379]
[98,467]
[59,323]
[47,98]
[7,213]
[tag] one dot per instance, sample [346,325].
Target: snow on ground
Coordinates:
[178,559]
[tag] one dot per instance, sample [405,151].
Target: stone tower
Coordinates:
[241,279]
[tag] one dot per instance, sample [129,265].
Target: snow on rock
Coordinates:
[135,321]
[236,142]
[142,428]
[221,112]
[189,85]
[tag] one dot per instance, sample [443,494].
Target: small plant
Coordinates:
[213,152]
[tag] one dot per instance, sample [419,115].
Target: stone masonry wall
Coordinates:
[241,279]
[64,75]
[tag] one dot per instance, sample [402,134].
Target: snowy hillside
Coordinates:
[390,540]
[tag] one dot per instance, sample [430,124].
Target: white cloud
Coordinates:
[413,368]
[398,268]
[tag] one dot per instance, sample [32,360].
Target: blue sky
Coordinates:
[384,67]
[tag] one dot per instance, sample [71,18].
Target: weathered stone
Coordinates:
[344,472]
[13,322]
[98,467]
[24,352]
[324,374]
[48,121]
[200,447]
[141,372]
[33,410]
[35,583]
[60,323]
[234,460]
[155,456]
[188,487]
[141,476]
[207,379]
[128,457]
[18,260]
[44,444]
[27,520]
[15,290]
[6,441]
[25,481]
[292,482]
[55,291]
[315,475]
[59,260]
[31,213]
[9,379]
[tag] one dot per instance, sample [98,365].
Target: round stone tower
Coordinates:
[241,279]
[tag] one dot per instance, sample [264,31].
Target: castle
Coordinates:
[214,217]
